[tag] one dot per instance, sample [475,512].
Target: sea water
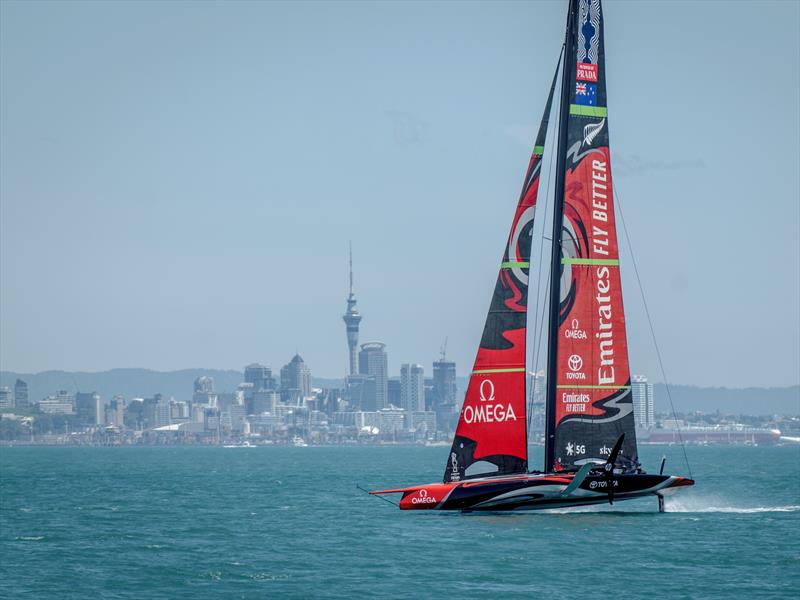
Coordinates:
[285,522]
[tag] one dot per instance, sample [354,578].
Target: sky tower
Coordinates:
[351,320]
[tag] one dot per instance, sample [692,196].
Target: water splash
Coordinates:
[698,506]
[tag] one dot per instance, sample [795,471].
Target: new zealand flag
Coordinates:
[586,93]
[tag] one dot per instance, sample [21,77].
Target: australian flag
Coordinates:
[586,93]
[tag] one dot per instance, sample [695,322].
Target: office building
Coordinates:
[260,376]
[412,387]
[295,380]
[21,395]
[643,405]
[86,406]
[373,362]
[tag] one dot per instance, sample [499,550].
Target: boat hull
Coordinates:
[534,492]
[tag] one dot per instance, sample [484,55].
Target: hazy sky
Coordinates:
[179,181]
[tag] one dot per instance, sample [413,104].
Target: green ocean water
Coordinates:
[284,522]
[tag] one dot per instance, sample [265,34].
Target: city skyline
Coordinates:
[175,227]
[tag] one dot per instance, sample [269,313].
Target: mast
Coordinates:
[555,255]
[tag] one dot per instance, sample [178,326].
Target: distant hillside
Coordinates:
[747,401]
[132,383]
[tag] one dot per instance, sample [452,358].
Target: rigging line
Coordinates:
[553,151]
[652,329]
[377,496]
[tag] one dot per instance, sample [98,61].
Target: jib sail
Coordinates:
[492,426]
[589,396]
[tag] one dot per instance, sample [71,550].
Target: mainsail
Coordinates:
[589,396]
[492,426]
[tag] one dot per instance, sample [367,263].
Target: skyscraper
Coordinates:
[412,387]
[444,381]
[116,412]
[204,391]
[351,320]
[295,380]
[21,395]
[643,405]
[373,362]
[260,376]
[86,404]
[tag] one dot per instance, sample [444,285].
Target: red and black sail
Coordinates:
[492,427]
[589,396]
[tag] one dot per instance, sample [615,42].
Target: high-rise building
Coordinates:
[360,392]
[394,392]
[6,398]
[204,391]
[21,395]
[372,361]
[351,320]
[643,405]
[445,393]
[264,401]
[86,406]
[162,411]
[260,376]
[117,412]
[295,380]
[412,387]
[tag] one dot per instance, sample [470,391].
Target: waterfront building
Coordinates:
[63,403]
[643,404]
[6,398]
[373,362]
[391,419]
[21,395]
[86,406]
[412,387]
[422,421]
[351,319]
[366,419]
[295,380]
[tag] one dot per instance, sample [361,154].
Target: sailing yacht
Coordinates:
[591,454]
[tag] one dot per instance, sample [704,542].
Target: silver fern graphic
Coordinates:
[591,131]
